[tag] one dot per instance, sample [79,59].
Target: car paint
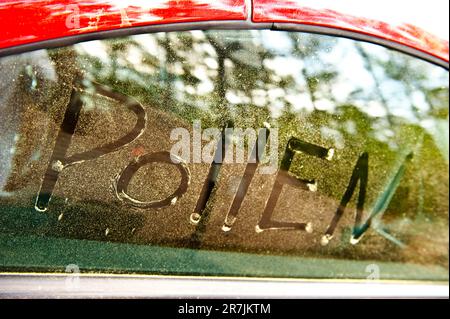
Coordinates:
[95,17]
[42,20]
[289,11]
[27,22]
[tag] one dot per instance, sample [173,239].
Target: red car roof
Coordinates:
[27,22]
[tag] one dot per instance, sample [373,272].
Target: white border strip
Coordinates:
[122,286]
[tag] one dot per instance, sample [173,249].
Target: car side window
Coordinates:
[236,153]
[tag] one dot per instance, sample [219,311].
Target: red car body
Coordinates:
[28,25]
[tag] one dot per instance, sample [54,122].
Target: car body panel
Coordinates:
[26,23]
[45,20]
[289,11]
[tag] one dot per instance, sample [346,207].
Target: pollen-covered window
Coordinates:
[234,153]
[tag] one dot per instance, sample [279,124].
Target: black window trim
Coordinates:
[220,25]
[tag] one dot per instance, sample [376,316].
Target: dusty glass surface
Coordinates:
[356,132]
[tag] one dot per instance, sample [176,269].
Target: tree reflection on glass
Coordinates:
[356,98]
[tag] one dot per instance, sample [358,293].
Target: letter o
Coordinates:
[122,180]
